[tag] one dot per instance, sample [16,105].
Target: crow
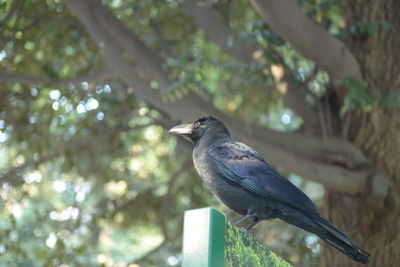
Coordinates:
[244,181]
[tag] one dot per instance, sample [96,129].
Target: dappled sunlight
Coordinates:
[115,189]
[33,177]
[70,213]
[51,240]
[59,186]
[89,175]
[3,55]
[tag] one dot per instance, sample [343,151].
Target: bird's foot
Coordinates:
[247,232]
[243,230]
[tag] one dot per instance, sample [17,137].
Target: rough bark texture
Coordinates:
[373,222]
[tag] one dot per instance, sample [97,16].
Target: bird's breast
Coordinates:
[202,165]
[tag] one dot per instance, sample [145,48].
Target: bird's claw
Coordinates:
[247,232]
[243,230]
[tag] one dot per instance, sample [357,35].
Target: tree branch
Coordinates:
[148,60]
[10,12]
[189,107]
[313,42]
[219,32]
[293,97]
[15,78]
[302,154]
[92,78]
[229,41]
[162,42]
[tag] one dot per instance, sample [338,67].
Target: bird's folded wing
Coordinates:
[244,166]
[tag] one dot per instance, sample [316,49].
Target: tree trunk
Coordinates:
[373,222]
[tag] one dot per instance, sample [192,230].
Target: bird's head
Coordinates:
[205,126]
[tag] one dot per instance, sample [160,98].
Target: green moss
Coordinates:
[242,250]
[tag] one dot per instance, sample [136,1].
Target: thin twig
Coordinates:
[13,8]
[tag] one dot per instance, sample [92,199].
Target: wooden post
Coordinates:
[208,241]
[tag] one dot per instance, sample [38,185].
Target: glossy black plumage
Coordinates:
[241,164]
[244,181]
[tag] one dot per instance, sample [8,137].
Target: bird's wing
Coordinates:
[244,166]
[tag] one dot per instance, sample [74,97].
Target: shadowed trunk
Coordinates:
[371,221]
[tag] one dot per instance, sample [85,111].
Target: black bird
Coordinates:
[247,184]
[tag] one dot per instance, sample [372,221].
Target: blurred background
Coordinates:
[89,174]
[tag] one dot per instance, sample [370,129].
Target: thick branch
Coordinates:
[148,60]
[295,152]
[313,42]
[219,32]
[162,41]
[16,78]
[92,78]
[229,41]
[190,107]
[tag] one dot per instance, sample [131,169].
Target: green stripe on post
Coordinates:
[203,238]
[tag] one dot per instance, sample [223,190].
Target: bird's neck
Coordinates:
[211,136]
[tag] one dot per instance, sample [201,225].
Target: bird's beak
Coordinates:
[183,129]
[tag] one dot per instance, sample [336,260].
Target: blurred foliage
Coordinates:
[88,174]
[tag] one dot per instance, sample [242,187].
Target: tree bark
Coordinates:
[373,222]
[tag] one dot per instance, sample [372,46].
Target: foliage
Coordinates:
[89,174]
[357,97]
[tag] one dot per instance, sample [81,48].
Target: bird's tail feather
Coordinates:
[340,241]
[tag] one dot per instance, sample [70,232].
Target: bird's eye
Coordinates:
[197,125]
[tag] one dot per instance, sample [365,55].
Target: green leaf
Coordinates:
[358,97]
[386,25]
[389,100]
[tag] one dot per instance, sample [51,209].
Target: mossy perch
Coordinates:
[242,250]
[209,241]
